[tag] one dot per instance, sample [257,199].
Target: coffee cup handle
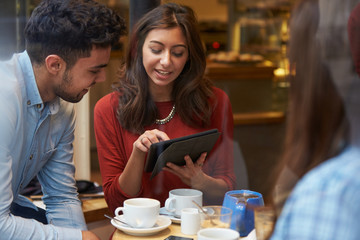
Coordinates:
[169,204]
[117,210]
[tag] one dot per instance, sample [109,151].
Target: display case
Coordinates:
[259,27]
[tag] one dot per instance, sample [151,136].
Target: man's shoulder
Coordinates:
[13,72]
[345,163]
[9,69]
[340,172]
[326,198]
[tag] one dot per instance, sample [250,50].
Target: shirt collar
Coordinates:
[32,91]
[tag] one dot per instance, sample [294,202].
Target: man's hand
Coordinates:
[87,235]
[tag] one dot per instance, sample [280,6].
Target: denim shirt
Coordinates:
[36,140]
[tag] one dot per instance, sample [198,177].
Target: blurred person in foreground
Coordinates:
[68,44]
[324,55]
[162,94]
[317,127]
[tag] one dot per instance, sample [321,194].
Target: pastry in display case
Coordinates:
[259,27]
[235,57]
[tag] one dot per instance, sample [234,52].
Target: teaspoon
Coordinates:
[205,212]
[117,220]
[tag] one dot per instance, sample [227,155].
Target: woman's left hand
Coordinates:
[191,173]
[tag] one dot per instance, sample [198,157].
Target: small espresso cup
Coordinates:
[140,212]
[190,221]
[217,234]
[182,198]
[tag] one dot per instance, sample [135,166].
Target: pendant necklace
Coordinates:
[167,119]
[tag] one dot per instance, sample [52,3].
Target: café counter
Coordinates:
[239,71]
[253,89]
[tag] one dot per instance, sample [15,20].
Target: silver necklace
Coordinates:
[167,119]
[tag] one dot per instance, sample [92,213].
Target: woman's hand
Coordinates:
[191,173]
[130,178]
[149,137]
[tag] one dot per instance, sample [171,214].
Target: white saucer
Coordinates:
[171,215]
[162,222]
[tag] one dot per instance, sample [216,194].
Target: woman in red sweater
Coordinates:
[162,94]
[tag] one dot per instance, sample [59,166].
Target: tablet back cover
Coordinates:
[174,150]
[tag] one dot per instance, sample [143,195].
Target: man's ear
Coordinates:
[54,64]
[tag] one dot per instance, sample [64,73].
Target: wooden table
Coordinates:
[94,209]
[173,229]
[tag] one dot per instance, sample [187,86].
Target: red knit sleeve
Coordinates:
[221,161]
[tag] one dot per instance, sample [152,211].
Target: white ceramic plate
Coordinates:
[171,215]
[162,222]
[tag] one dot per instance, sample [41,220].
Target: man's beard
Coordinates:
[67,84]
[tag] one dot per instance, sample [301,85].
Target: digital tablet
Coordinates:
[174,150]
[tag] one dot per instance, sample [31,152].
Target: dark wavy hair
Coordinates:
[70,28]
[191,89]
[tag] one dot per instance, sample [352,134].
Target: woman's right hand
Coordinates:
[130,178]
[149,137]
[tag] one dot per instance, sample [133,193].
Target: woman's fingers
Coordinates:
[149,137]
[189,170]
[201,160]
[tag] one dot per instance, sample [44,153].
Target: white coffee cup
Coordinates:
[182,198]
[190,221]
[218,234]
[140,212]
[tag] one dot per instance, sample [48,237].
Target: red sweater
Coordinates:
[115,144]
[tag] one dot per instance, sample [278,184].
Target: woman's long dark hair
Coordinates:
[191,91]
[316,122]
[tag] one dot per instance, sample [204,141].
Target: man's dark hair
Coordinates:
[70,28]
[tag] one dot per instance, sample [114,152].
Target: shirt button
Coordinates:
[38,105]
[31,157]
[28,102]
